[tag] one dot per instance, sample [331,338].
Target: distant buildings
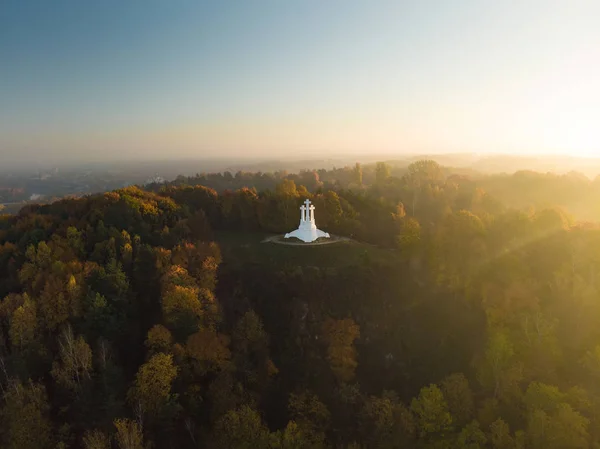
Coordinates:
[155,179]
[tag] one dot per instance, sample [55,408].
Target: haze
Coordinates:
[112,80]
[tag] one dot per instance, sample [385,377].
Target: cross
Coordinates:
[307,202]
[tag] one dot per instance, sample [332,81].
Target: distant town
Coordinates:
[18,189]
[24,185]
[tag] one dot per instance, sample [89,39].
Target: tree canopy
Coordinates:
[464,313]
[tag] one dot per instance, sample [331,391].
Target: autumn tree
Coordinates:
[310,416]
[386,423]
[159,339]
[181,304]
[250,348]
[152,388]
[242,428]
[25,417]
[96,439]
[339,336]
[293,437]
[129,434]
[287,194]
[75,364]
[23,323]
[208,350]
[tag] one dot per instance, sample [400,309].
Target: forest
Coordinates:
[464,314]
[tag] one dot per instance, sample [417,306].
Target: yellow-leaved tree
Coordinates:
[23,323]
[152,388]
[95,439]
[129,434]
[159,339]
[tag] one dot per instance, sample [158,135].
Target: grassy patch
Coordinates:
[247,248]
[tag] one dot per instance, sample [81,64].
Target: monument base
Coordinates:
[307,234]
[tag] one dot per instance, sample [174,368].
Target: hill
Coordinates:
[242,248]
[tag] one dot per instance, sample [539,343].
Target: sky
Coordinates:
[108,79]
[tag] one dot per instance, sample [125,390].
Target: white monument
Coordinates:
[307,231]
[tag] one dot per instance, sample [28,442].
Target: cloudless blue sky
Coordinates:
[106,78]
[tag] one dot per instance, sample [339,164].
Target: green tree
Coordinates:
[409,235]
[459,397]
[431,412]
[544,397]
[471,437]
[382,172]
[75,239]
[568,429]
[420,175]
[357,174]
[498,372]
[500,437]
[551,423]
[426,170]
